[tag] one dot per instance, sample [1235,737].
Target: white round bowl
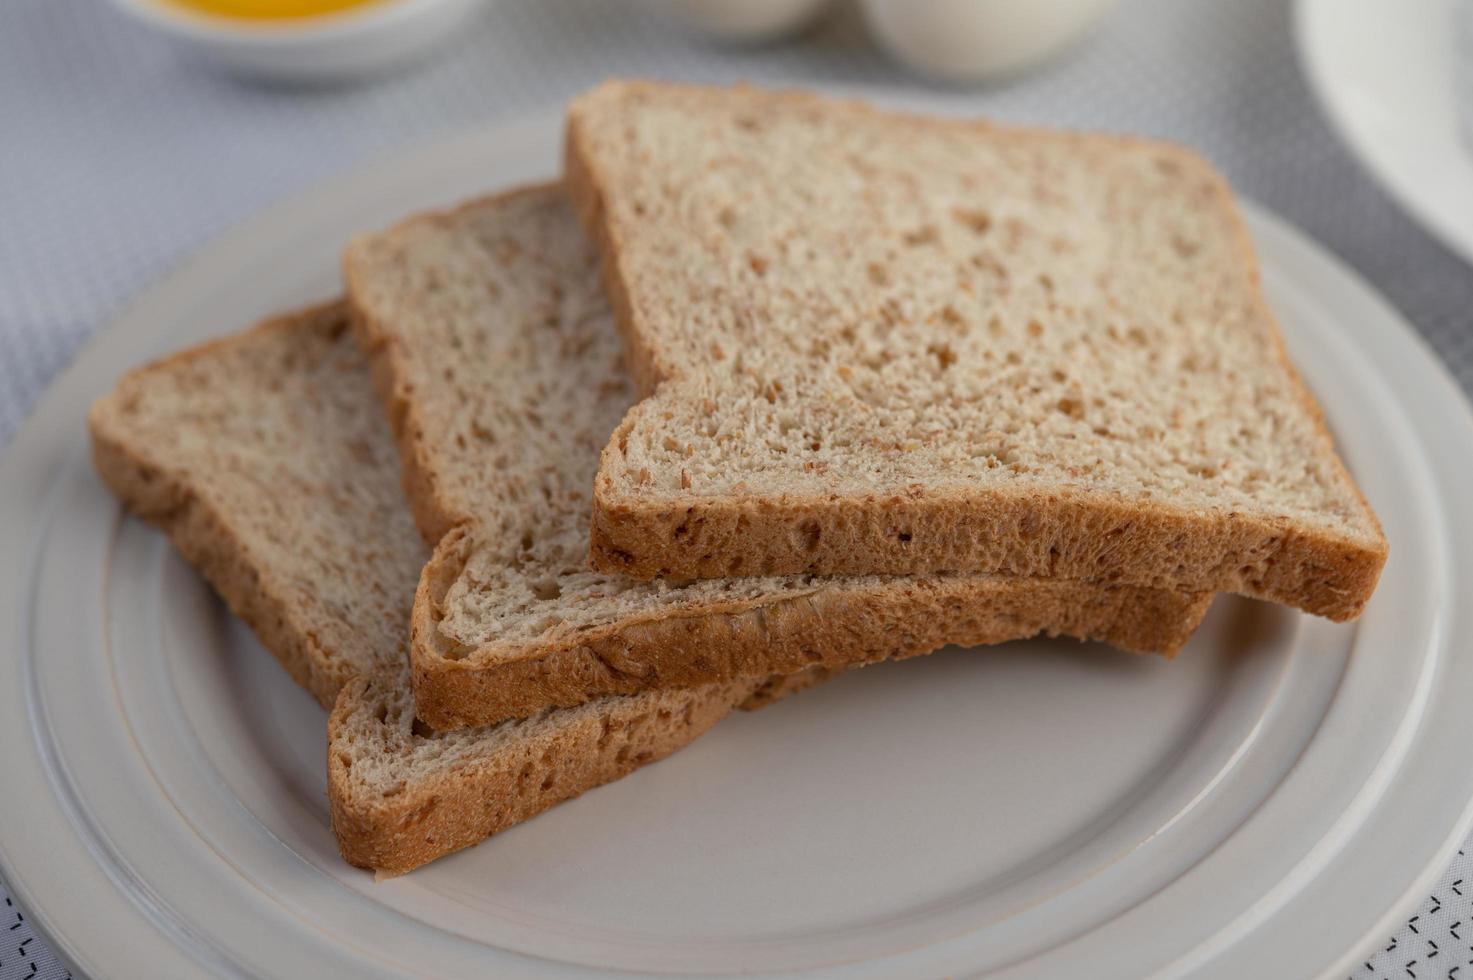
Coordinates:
[333,47]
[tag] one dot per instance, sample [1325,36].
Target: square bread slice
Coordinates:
[495,352]
[879,343]
[265,458]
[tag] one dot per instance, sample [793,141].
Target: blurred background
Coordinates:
[132,131]
[123,147]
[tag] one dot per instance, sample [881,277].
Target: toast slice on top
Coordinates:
[878,343]
[495,352]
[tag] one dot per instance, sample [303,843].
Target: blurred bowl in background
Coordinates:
[354,42]
[742,21]
[966,41]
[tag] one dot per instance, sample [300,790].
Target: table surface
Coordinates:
[119,156]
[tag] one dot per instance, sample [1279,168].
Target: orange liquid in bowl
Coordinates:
[269,9]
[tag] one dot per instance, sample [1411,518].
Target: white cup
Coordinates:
[974,40]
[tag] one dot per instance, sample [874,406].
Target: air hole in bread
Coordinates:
[976,221]
[924,235]
[945,356]
[811,533]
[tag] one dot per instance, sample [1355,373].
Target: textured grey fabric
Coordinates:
[118,157]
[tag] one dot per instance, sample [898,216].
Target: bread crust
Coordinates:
[1057,534]
[832,627]
[438,815]
[1151,543]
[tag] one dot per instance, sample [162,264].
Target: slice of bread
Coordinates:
[266,459]
[886,344]
[496,354]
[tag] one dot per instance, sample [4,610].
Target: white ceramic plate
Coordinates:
[1268,805]
[1386,73]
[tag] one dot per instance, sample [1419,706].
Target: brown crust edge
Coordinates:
[779,686]
[1056,534]
[1320,573]
[831,627]
[435,816]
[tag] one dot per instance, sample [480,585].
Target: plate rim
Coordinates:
[118,344]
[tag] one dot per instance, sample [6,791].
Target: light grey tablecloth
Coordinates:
[117,158]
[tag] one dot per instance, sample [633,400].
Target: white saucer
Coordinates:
[1269,804]
[1387,75]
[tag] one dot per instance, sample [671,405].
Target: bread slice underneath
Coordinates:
[496,354]
[881,343]
[265,458]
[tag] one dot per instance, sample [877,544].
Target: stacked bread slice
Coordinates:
[400,492]
[266,459]
[874,343]
[498,358]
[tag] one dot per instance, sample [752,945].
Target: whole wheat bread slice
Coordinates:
[881,343]
[495,352]
[266,459]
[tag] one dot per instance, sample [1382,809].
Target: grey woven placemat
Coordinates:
[117,158]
